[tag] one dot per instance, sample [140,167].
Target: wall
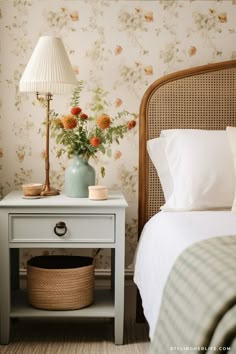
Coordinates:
[118,46]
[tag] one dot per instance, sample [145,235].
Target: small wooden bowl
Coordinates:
[98,192]
[32,189]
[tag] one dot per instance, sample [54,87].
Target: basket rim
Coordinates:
[50,263]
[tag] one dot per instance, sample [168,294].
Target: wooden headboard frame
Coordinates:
[203,97]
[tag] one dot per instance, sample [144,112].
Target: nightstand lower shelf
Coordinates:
[103,306]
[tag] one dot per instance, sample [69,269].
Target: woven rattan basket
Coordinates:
[60,282]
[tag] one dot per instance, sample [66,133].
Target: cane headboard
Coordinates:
[203,97]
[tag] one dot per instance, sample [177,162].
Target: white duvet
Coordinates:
[164,238]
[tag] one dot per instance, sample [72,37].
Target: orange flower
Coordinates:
[118,49]
[58,123]
[148,70]
[69,122]
[222,17]
[118,102]
[148,16]
[21,155]
[131,124]
[117,154]
[74,15]
[103,121]
[76,69]
[95,141]
[84,116]
[192,50]
[43,155]
[75,111]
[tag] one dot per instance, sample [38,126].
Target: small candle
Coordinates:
[98,192]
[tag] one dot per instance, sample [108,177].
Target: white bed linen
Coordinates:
[165,236]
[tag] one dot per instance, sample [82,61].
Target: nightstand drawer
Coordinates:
[61,227]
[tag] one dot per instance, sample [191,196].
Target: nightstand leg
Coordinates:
[4,282]
[119,277]
[112,269]
[15,276]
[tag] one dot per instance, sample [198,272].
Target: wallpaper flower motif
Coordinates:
[119,46]
[171,52]
[22,151]
[209,21]
[62,18]
[134,23]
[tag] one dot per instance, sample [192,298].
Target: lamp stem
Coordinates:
[47,164]
[47,189]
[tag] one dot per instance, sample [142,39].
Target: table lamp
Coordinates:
[48,72]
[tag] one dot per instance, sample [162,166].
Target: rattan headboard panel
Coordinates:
[202,98]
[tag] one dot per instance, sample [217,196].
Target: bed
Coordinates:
[201,98]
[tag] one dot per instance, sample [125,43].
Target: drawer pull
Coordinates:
[62,227]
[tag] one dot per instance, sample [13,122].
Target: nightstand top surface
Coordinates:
[15,199]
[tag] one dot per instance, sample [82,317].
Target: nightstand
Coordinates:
[88,224]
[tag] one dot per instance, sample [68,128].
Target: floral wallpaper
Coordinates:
[119,47]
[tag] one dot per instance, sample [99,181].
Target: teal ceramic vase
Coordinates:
[78,176]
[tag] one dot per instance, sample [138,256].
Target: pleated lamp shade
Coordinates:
[49,69]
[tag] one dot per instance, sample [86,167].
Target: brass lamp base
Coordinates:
[47,189]
[49,192]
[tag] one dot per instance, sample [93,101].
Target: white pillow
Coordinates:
[231,134]
[201,167]
[156,151]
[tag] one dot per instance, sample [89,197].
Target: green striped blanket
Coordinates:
[198,311]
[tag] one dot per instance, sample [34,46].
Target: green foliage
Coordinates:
[103,171]
[99,103]
[75,99]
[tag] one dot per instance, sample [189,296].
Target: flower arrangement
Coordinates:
[84,135]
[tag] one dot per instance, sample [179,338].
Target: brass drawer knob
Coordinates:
[60,229]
